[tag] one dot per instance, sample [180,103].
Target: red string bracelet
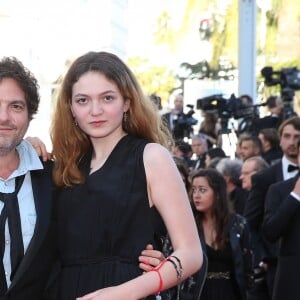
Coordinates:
[160,287]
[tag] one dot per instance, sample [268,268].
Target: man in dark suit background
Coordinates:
[175,118]
[271,151]
[199,148]
[249,146]
[251,166]
[286,168]
[231,171]
[282,221]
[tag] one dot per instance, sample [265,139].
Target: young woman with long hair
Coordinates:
[111,154]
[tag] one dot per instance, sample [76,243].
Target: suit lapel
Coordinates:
[278,171]
[42,193]
[290,183]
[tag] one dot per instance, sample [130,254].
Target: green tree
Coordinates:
[154,79]
[166,34]
[223,34]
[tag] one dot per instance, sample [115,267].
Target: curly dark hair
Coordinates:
[11,67]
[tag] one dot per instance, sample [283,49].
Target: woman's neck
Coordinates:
[102,147]
[209,230]
[208,221]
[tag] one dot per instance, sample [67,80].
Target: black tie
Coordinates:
[11,213]
[292,168]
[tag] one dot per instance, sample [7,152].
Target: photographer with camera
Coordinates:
[289,81]
[275,106]
[179,123]
[172,117]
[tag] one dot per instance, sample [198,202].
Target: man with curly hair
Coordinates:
[25,190]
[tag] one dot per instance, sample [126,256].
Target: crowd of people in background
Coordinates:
[261,188]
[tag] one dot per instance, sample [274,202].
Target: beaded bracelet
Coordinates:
[177,269]
[174,265]
[180,265]
[179,262]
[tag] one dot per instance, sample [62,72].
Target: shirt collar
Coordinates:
[29,159]
[285,164]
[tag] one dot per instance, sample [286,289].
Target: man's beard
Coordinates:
[5,149]
[10,142]
[292,155]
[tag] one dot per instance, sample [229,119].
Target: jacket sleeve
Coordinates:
[242,254]
[279,211]
[247,251]
[254,207]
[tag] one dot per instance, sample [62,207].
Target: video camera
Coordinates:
[289,81]
[183,122]
[286,77]
[188,118]
[226,109]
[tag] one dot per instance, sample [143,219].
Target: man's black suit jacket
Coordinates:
[31,277]
[261,181]
[282,221]
[272,156]
[255,206]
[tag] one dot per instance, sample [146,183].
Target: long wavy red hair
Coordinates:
[70,143]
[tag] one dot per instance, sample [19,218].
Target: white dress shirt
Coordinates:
[29,161]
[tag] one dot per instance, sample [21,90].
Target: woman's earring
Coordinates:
[125,117]
[126,124]
[75,122]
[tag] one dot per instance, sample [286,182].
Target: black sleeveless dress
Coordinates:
[103,224]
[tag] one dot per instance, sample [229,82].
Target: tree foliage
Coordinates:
[154,79]
[282,23]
